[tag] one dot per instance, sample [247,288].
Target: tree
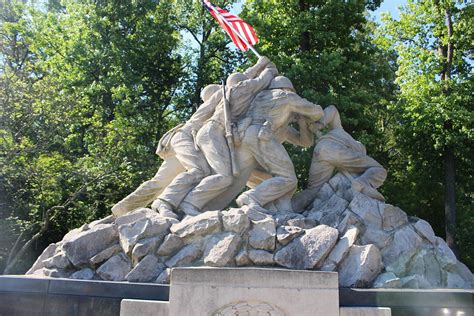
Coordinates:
[433,41]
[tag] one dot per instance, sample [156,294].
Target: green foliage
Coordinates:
[432,114]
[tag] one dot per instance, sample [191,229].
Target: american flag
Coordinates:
[233,24]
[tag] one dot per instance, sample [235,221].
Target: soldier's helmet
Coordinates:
[281,82]
[235,78]
[208,91]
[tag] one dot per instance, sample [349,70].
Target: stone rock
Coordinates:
[116,268]
[170,246]
[378,237]
[445,255]
[360,267]
[59,261]
[235,220]
[342,247]
[414,282]
[76,231]
[54,273]
[405,242]
[221,249]
[282,217]
[134,216]
[335,204]
[341,186]
[387,280]
[367,209]
[393,217]
[324,193]
[198,226]
[164,277]
[105,255]
[242,258]
[131,233]
[424,229]
[463,271]
[304,223]
[146,270]
[261,257]
[455,281]
[80,248]
[106,220]
[186,255]
[263,234]
[424,263]
[84,274]
[307,251]
[256,213]
[285,234]
[145,247]
[40,262]
[348,219]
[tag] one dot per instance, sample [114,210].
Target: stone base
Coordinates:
[364,311]
[231,291]
[144,308]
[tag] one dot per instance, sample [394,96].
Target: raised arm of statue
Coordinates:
[304,137]
[205,111]
[331,118]
[256,69]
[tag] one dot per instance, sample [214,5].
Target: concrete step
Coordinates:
[144,308]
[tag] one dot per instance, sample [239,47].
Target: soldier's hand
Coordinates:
[263,60]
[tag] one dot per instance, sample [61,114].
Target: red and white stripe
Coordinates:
[239,25]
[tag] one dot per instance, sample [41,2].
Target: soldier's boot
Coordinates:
[245,199]
[364,187]
[164,209]
[188,209]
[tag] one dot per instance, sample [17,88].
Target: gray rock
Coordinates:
[59,261]
[282,217]
[285,234]
[116,268]
[263,234]
[307,251]
[105,255]
[424,229]
[387,280]
[170,246]
[304,223]
[445,255]
[341,249]
[455,281]
[40,262]
[335,204]
[185,256]
[341,186]
[348,219]
[145,247]
[198,226]
[106,220]
[164,277]
[131,233]
[74,232]
[324,193]
[261,257]
[361,266]
[55,273]
[221,249]
[414,282]
[424,263]
[378,237]
[393,217]
[405,242]
[235,220]
[84,274]
[80,248]
[367,209]
[146,270]
[134,216]
[256,213]
[242,258]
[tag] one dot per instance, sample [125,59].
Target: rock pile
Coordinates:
[370,244]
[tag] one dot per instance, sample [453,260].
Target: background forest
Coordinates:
[88,87]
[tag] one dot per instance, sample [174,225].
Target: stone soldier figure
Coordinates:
[270,114]
[338,150]
[211,137]
[183,166]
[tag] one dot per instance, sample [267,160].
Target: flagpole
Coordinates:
[236,32]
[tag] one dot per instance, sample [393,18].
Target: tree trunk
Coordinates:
[450,199]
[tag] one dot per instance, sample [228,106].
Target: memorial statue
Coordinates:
[337,150]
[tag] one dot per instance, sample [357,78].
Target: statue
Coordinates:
[338,150]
